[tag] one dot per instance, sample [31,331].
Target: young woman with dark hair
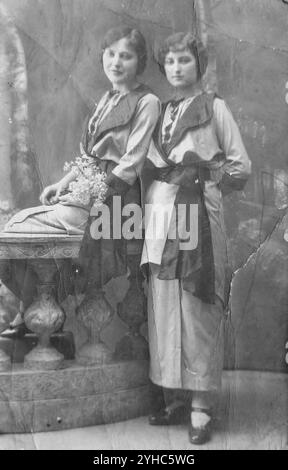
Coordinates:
[195,157]
[114,145]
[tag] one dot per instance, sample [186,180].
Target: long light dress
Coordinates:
[186,332]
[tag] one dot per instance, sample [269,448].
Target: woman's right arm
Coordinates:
[237,166]
[50,195]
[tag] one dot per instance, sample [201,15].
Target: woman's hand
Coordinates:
[51,194]
[66,200]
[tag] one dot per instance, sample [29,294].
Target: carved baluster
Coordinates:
[44,317]
[96,313]
[132,312]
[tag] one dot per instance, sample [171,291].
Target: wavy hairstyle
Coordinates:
[135,39]
[180,42]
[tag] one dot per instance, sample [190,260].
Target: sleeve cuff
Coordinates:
[229,183]
[116,185]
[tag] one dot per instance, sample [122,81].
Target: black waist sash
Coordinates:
[181,175]
[194,267]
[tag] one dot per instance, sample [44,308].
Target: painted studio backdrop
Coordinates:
[50,77]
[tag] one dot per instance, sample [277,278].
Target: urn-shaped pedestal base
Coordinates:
[96,313]
[44,317]
[43,358]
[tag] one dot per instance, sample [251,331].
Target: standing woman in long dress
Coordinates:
[197,156]
[113,148]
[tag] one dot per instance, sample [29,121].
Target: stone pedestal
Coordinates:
[45,257]
[44,317]
[49,393]
[77,396]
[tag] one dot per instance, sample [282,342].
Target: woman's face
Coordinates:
[120,63]
[181,68]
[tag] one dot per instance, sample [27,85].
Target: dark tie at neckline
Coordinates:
[113,93]
[174,105]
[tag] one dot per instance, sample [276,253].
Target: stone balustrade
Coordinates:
[46,260]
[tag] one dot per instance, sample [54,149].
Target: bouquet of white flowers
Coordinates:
[89,185]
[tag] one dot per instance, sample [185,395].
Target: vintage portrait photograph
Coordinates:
[144,227]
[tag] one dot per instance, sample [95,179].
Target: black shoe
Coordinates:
[167,416]
[201,435]
[15,332]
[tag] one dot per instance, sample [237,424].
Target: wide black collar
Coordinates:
[197,114]
[120,115]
